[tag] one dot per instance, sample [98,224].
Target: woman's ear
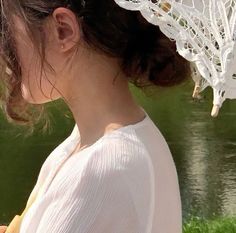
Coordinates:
[67,28]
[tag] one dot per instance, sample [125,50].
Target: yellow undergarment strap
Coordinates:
[14,226]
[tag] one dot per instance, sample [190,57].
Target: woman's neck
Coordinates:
[100,105]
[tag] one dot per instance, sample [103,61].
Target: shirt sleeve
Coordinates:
[101,202]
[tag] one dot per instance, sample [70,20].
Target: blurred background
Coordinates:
[203,148]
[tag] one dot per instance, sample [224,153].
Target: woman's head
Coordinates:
[61,34]
[33,35]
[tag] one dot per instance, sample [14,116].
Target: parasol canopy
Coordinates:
[205,34]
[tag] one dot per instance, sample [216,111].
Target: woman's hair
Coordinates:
[146,56]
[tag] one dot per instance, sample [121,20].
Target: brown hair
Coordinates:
[147,56]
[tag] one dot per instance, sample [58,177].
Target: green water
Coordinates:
[204,150]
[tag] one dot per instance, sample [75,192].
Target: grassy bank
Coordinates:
[216,225]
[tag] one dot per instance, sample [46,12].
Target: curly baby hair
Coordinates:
[146,56]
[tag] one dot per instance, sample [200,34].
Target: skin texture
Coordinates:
[3,229]
[85,82]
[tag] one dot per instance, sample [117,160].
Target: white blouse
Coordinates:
[126,182]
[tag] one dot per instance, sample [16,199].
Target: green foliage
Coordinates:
[216,225]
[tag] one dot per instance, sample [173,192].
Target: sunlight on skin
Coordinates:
[3,229]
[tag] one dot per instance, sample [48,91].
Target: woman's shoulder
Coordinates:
[121,163]
[119,151]
[134,142]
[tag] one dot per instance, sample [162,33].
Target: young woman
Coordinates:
[115,172]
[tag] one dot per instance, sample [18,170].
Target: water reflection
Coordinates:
[204,149]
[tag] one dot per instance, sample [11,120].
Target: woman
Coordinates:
[114,173]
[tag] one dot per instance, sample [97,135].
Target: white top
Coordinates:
[126,182]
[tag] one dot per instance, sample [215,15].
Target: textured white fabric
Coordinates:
[126,182]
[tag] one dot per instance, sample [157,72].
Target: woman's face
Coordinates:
[36,88]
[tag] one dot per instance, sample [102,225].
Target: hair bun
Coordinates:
[151,53]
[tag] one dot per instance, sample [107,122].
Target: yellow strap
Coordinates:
[14,226]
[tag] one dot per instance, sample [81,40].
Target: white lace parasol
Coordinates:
[205,34]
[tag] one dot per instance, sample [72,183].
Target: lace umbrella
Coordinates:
[205,34]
